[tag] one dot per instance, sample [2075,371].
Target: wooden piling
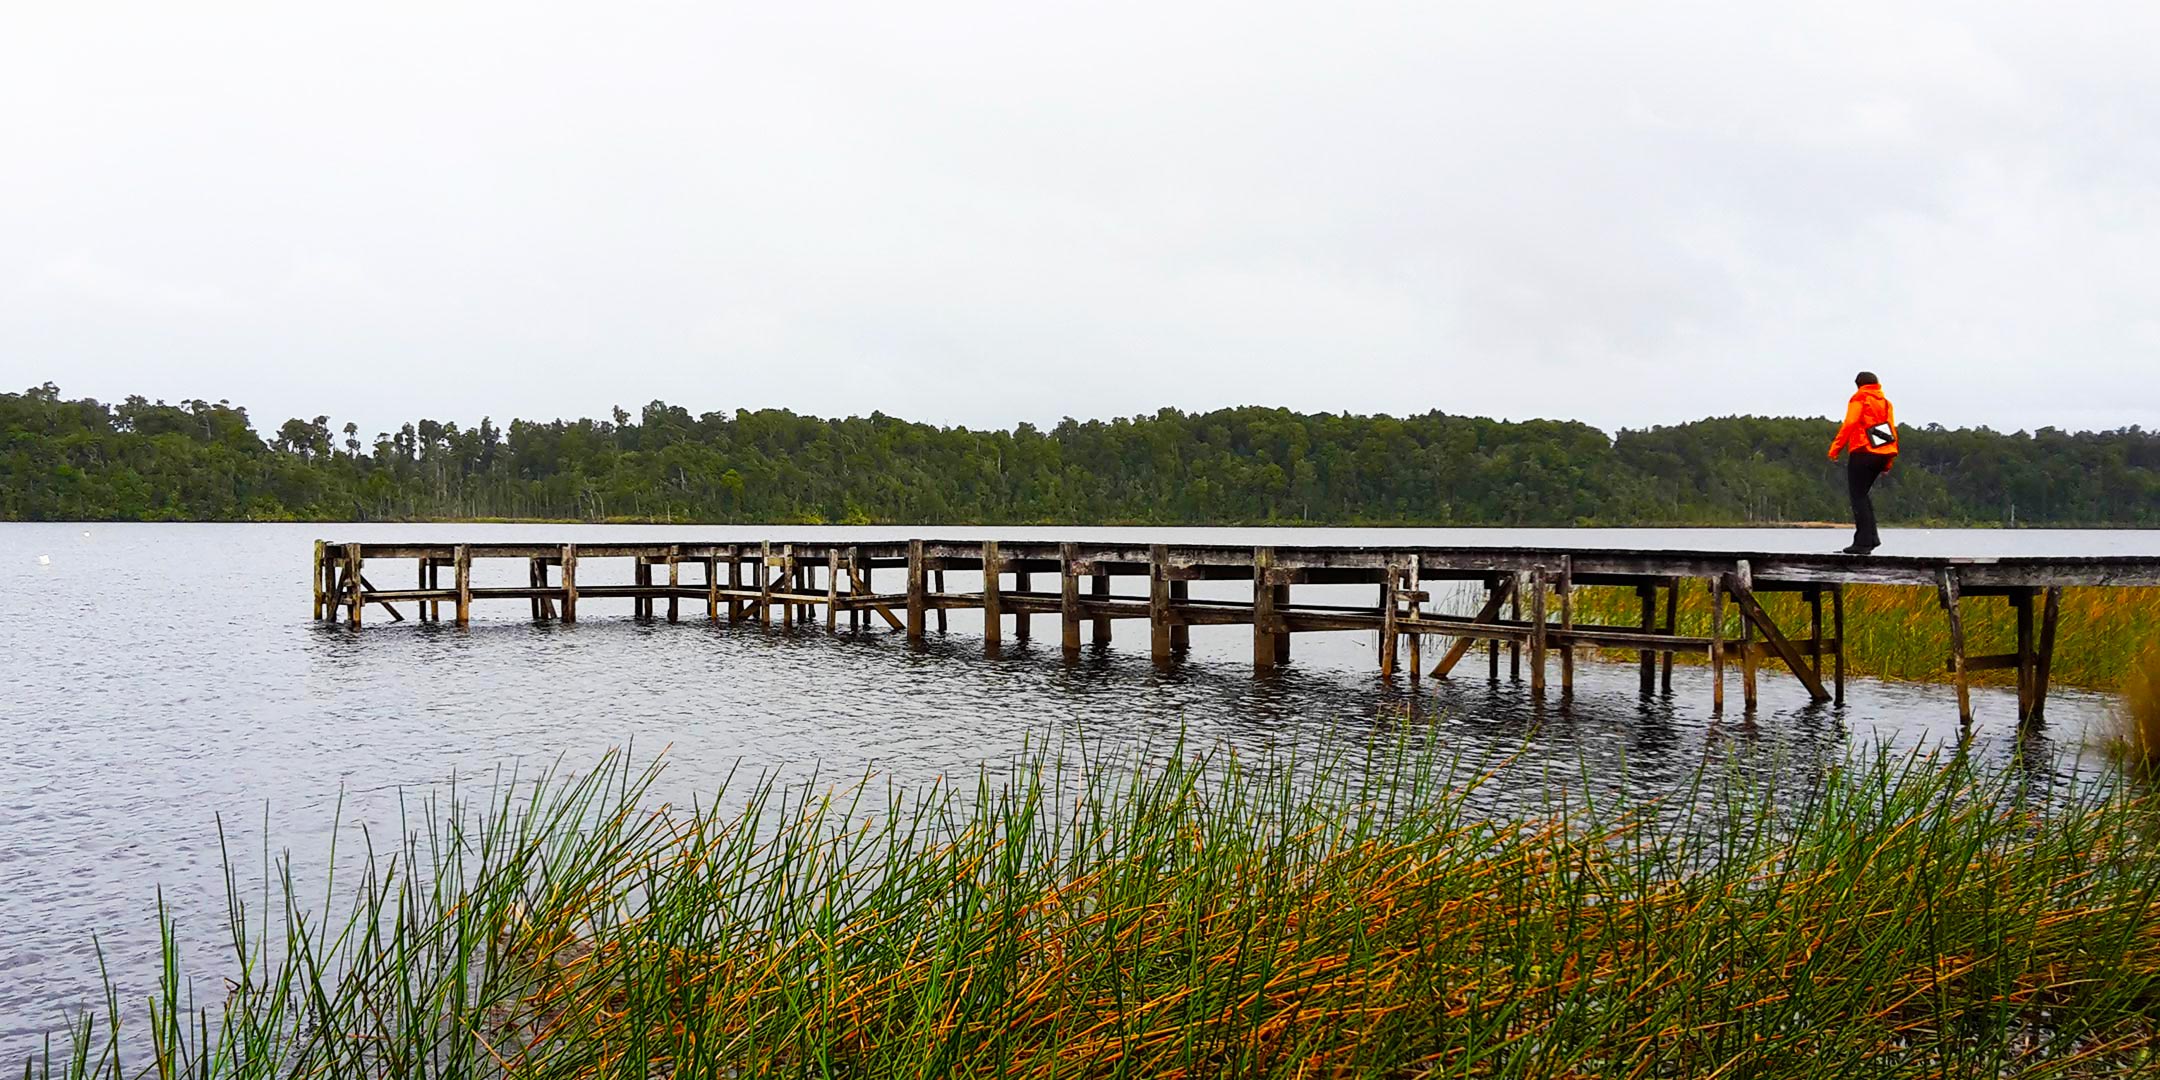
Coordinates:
[1099,589]
[1492,645]
[2022,600]
[1815,638]
[1743,588]
[320,591]
[1022,583]
[1837,630]
[1264,625]
[1646,657]
[764,579]
[832,590]
[735,584]
[712,588]
[463,570]
[1390,587]
[569,583]
[674,581]
[353,562]
[938,580]
[2045,661]
[1717,646]
[1567,623]
[918,605]
[1069,600]
[1520,585]
[1159,602]
[1948,591]
[993,601]
[1180,630]
[1672,629]
[1537,631]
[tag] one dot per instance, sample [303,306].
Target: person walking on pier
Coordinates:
[1869,439]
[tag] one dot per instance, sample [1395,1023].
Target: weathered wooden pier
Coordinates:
[1528,597]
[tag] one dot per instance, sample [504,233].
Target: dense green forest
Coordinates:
[198,460]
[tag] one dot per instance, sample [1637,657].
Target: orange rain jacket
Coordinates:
[1870,424]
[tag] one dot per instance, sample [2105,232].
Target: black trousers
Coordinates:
[1862,469]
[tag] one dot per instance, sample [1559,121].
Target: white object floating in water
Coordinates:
[44,560]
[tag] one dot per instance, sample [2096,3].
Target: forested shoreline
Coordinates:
[82,459]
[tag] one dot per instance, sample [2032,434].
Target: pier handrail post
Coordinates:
[1159,601]
[993,606]
[1069,599]
[463,570]
[917,602]
[1265,623]
[569,583]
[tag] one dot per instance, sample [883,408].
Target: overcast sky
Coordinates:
[1621,213]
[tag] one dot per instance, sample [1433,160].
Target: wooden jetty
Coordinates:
[1528,597]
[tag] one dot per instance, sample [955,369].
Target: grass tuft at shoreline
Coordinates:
[1313,913]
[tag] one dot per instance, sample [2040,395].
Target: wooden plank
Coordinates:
[1489,613]
[1752,613]
[1265,625]
[1159,602]
[993,611]
[1946,584]
[2045,660]
[917,601]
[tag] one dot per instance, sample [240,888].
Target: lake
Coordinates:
[162,679]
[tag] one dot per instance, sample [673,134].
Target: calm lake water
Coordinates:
[161,678]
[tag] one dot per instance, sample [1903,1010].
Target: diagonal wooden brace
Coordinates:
[1751,609]
[1489,614]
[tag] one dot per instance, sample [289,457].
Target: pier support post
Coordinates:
[1180,630]
[463,571]
[320,591]
[1265,623]
[993,603]
[1946,585]
[1493,587]
[674,582]
[1646,657]
[428,610]
[1567,625]
[1815,639]
[2021,602]
[764,584]
[1537,631]
[569,583]
[1159,602]
[734,584]
[1099,589]
[1023,626]
[1717,646]
[1390,639]
[1516,589]
[1672,629]
[2051,610]
[1743,590]
[917,603]
[712,588]
[937,584]
[353,584]
[1837,630]
[832,591]
[1069,600]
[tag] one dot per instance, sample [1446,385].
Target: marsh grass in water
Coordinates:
[1901,633]
[1312,913]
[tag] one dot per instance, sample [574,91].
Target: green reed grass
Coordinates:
[1901,633]
[1315,913]
[2137,736]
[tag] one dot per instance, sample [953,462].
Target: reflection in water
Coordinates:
[163,680]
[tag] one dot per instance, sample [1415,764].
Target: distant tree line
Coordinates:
[198,460]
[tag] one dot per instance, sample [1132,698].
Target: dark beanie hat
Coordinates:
[1865,378]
